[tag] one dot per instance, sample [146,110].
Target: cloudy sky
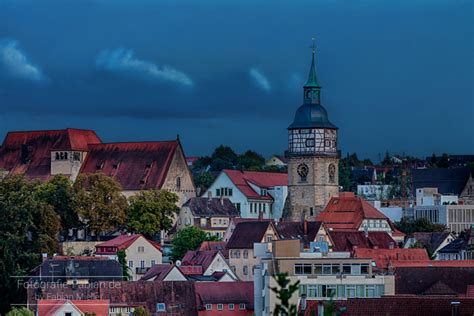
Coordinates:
[396,75]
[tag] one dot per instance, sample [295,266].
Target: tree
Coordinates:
[122,259]
[204,180]
[23,311]
[188,239]
[140,311]
[99,202]
[28,226]
[59,193]
[344,175]
[251,160]
[223,157]
[443,161]
[151,211]
[409,226]
[284,291]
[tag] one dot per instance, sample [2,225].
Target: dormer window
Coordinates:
[76,156]
[263,192]
[61,155]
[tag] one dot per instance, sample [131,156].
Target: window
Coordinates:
[141,249]
[246,270]
[269,238]
[312,290]
[302,268]
[220,307]
[332,173]
[209,307]
[152,262]
[318,269]
[237,253]
[303,171]
[364,269]
[321,238]
[67,314]
[263,192]
[346,268]
[160,307]
[231,307]
[241,306]
[178,183]
[130,264]
[369,290]
[237,206]
[310,142]
[230,192]
[218,192]
[76,156]
[350,291]
[355,269]
[142,264]
[246,254]
[327,269]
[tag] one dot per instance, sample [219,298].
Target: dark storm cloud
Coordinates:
[392,73]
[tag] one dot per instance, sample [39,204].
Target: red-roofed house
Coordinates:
[387,259]
[223,298]
[252,192]
[140,253]
[135,165]
[72,307]
[210,261]
[350,212]
[41,154]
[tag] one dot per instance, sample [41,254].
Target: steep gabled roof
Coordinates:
[247,233]
[347,211]
[350,240]
[48,307]
[431,240]
[202,206]
[241,180]
[123,242]
[135,165]
[29,152]
[159,272]
[295,230]
[223,293]
[199,258]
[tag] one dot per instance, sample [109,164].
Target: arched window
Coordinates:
[246,254]
[332,173]
[246,270]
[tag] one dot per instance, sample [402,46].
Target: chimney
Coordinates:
[455,308]
[209,195]
[305,227]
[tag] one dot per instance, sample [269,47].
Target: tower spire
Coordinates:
[312,87]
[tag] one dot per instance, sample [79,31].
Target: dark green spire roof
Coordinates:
[312,78]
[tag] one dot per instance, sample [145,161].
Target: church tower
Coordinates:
[312,154]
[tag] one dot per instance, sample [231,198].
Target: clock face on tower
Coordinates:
[303,171]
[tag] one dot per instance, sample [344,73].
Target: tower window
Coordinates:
[303,171]
[310,142]
[178,183]
[332,173]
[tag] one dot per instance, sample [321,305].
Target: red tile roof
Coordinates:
[121,242]
[241,179]
[96,307]
[347,211]
[350,240]
[29,153]
[136,166]
[215,245]
[406,305]
[224,293]
[199,258]
[247,233]
[434,263]
[384,257]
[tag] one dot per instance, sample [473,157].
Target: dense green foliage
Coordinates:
[151,211]
[409,226]
[284,291]
[20,312]
[99,202]
[188,239]
[140,311]
[122,259]
[29,226]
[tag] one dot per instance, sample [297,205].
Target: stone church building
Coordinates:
[135,165]
[312,155]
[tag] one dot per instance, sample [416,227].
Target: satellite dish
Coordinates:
[178,263]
